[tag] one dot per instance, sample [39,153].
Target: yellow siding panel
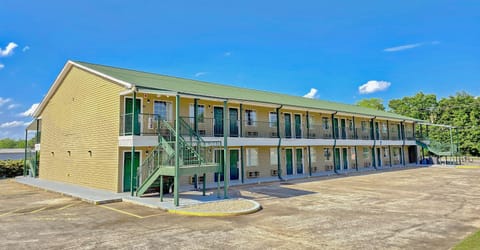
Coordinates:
[82,117]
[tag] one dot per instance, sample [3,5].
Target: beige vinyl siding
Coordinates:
[82,116]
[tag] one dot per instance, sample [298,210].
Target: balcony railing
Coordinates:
[146,124]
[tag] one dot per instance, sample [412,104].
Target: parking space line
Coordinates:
[152,215]
[7,213]
[121,211]
[38,210]
[67,206]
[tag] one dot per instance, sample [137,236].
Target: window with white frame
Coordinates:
[385,152]
[251,117]
[272,119]
[350,125]
[252,157]
[325,123]
[311,121]
[353,154]
[200,113]
[273,156]
[364,126]
[366,153]
[384,128]
[163,109]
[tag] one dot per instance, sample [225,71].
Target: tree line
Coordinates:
[11,143]
[461,110]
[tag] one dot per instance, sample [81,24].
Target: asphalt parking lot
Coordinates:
[423,208]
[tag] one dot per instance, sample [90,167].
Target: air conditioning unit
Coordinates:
[202,132]
[312,135]
[253,174]
[252,134]
[314,169]
[273,172]
[274,135]
[191,180]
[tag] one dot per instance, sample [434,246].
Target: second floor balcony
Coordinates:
[147,124]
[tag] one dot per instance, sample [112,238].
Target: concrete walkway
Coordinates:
[189,200]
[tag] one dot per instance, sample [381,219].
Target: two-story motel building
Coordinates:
[93,134]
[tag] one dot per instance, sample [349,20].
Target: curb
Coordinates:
[256,207]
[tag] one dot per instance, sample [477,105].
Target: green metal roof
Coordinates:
[206,89]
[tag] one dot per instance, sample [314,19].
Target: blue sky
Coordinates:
[397,47]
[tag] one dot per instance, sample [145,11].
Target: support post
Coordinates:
[390,154]
[132,163]
[242,164]
[176,180]
[451,143]
[204,184]
[334,143]
[25,157]
[308,127]
[309,161]
[161,188]
[356,158]
[226,175]
[195,127]
[241,120]
[354,131]
[279,164]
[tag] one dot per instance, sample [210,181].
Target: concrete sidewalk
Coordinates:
[188,199]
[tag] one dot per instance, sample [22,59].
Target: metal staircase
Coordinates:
[194,152]
[438,149]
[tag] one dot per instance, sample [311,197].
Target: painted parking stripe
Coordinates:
[37,210]
[121,211]
[7,213]
[67,206]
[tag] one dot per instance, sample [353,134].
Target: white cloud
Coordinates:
[403,47]
[13,124]
[200,74]
[373,86]
[25,48]
[8,50]
[31,110]
[409,46]
[4,101]
[228,53]
[312,94]
[13,105]
[2,66]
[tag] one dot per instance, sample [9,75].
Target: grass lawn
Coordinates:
[471,242]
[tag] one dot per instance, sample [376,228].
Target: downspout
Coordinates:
[334,143]
[37,141]
[279,164]
[242,165]
[374,154]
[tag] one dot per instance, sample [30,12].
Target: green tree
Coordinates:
[373,103]
[419,106]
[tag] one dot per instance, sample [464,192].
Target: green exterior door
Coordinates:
[234,164]
[299,160]
[345,158]
[344,128]
[379,157]
[127,173]
[129,116]
[377,131]
[218,121]
[399,129]
[335,128]
[371,132]
[298,126]
[336,156]
[288,125]
[233,117]
[373,157]
[289,161]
